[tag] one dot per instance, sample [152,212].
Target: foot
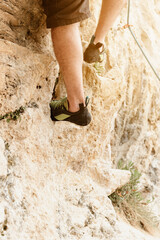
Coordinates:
[94,52]
[59,112]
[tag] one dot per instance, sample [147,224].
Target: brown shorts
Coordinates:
[64,12]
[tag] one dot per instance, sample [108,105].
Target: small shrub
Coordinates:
[131,201]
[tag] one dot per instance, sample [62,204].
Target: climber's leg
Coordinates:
[63,17]
[109,11]
[68,51]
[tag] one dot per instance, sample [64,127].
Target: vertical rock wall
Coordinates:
[55,178]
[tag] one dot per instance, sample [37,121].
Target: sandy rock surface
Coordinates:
[55,178]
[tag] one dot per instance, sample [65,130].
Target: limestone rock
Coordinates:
[2,214]
[110,178]
[3,165]
[2,145]
[59,174]
[3,160]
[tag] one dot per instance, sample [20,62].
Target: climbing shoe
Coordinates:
[59,112]
[93,53]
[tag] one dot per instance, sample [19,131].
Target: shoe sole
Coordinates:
[75,119]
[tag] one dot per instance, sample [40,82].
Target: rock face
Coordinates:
[3,161]
[55,178]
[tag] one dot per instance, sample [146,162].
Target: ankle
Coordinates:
[98,40]
[73,106]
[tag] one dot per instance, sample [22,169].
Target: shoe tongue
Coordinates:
[66,104]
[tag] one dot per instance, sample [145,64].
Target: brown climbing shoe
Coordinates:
[60,112]
[92,53]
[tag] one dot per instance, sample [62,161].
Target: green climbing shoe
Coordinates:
[92,53]
[59,112]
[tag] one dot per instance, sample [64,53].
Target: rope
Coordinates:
[129,27]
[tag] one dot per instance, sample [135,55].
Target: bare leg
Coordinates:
[109,11]
[69,54]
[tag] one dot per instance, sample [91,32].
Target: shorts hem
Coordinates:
[53,23]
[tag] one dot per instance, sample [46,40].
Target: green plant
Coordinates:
[128,191]
[99,68]
[15,115]
[131,201]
